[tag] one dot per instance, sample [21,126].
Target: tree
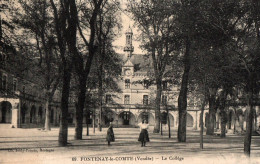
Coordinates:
[35,19]
[6,26]
[89,14]
[155,20]
[247,51]
[187,18]
[65,22]
[253,69]
[216,26]
[108,62]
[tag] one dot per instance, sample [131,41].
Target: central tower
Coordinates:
[128,46]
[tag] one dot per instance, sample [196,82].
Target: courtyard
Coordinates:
[37,146]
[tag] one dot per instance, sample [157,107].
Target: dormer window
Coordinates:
[127,99]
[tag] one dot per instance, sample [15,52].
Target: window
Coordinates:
[128,39]
[164,83]
[164,99]
[108,99]
[145,99]
[127,83]
[146,84]
[127,99]
[4,82]
[14,85]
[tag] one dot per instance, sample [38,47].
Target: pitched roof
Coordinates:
[128,63]
[142,63]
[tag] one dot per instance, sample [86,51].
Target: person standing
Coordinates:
[143,136]
[110,134]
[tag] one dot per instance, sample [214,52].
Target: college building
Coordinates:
[22,101]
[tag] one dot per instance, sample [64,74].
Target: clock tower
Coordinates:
[128,67]
[128,46]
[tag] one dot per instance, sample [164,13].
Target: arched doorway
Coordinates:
[126,118]
[189,122]
[6,111]
[32,114]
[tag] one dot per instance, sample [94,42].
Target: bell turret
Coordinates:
[128,46]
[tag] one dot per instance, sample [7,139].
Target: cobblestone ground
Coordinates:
[36,146]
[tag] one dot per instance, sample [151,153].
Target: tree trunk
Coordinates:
[161,129]
[255,116]
[249,124]
[87,129]
[201,127]
[63,132]
[157,106]
[79,109]
[94,120]
[212,115]
[223,124]
[235,126]
[47,116]
[100,94]
[169,123]
[201,118]
[182,99]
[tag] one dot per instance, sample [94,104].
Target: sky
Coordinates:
[126,22]
[119,43]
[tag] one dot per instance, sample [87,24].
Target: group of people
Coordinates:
[143,136]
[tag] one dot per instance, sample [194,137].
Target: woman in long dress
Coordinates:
[144,136]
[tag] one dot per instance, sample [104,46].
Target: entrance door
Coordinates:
[126,118]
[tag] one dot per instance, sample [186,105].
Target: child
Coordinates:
[110,134]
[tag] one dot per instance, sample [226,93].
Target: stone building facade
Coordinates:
[21,99]
[136,101]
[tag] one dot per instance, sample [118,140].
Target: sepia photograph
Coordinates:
[129,81]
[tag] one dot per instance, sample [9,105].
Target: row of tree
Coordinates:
[216,45]
[63,39]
